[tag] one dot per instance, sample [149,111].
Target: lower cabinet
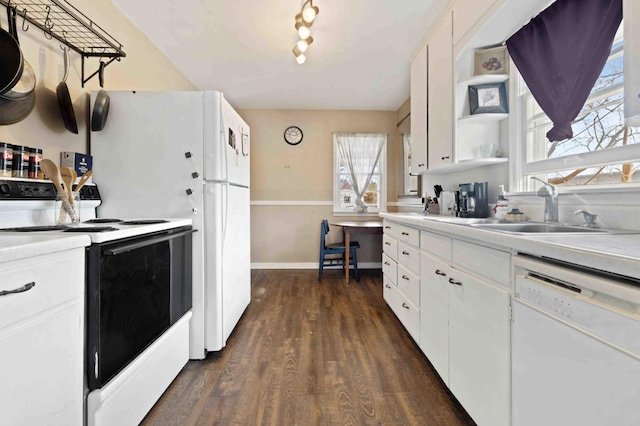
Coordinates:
[479,348]
[41,340]
[465,334]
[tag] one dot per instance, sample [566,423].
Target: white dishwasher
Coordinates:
[576,346]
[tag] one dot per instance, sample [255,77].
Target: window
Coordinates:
[359,167]
[603,150]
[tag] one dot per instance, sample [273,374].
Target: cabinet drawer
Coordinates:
[436,244]
[482,261]
[389,268]
[409,285]
[58,279]
[409,315]
[390,246]
[409,257]
[408,235]
[389,292]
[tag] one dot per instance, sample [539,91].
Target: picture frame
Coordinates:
[491,61]
[488,98]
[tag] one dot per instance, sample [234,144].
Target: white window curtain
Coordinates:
[360,153]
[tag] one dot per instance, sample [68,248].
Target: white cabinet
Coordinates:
[465,324]
[41,336]
[401,274]
[479,348]
[440,95]
[419,111]
[467,16]
[434,314]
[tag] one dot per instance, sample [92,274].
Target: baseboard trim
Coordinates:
[308,265]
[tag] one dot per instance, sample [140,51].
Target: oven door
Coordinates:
[136,288]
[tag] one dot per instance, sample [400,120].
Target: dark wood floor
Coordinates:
[312,353]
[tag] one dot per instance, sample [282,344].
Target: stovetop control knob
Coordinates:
[5,188]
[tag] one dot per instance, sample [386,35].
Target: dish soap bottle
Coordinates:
[502,206]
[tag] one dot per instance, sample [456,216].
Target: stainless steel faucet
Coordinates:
[550,194]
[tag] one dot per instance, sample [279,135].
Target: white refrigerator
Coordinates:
[185,154]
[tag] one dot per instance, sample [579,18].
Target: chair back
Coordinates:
[324,230]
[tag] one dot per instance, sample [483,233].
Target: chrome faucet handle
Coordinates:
[589,218]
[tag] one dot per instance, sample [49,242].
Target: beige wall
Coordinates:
[302,176]
[144,68]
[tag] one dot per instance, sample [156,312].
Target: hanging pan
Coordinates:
[101,106]
[17,102]
[27,82]
[12,62]
[64,98]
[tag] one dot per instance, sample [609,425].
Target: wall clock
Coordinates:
[293,135]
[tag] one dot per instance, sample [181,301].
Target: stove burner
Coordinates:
[35,228]
[144,222]
[103,220]
[91,229]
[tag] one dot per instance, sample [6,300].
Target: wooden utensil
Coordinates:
[68,179]
[83,180]
[51,171]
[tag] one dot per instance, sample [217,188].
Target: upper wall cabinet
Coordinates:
[440,94]
[419,111]
[468,15]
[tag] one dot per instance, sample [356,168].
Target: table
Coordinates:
[361,227]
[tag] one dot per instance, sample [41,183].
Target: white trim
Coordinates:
[290,203]
[308,265]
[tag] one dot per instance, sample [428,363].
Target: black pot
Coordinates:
[12,62]
[27,82]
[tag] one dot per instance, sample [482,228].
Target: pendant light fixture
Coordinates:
[303,22]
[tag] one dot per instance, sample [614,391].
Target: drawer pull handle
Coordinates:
[405,233]
[387,286]
[406,253]
[421,165]
[454,282]
[386,263]
[387,243]
[439,272]
[26,287]
[445,158]
[404,277]
[404,305]
[387,227]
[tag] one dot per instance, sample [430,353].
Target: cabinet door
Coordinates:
[419,112]
[434,314]
[468,14]
[440,95]
[479,345]
[41,370]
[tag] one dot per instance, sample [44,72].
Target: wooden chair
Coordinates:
[334,254]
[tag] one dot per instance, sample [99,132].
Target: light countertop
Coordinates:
[14,246]
[617,253]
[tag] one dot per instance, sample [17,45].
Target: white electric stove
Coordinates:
[138,296]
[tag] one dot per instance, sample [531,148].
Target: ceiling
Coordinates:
[359,59]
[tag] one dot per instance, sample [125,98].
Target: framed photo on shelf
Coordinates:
[491,61]
[488,98]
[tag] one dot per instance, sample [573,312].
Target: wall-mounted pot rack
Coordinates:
[60,20]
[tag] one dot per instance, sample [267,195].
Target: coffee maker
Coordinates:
[472,200]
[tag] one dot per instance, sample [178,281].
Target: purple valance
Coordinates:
[560,54]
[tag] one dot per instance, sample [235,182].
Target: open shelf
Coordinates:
[484,79]
[466,165]
[497,116]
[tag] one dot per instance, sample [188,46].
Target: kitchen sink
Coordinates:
[462,220]
[538,228]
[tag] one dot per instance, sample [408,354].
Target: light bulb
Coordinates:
[301,58]
[309,14]
[303,45]
[303,31]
